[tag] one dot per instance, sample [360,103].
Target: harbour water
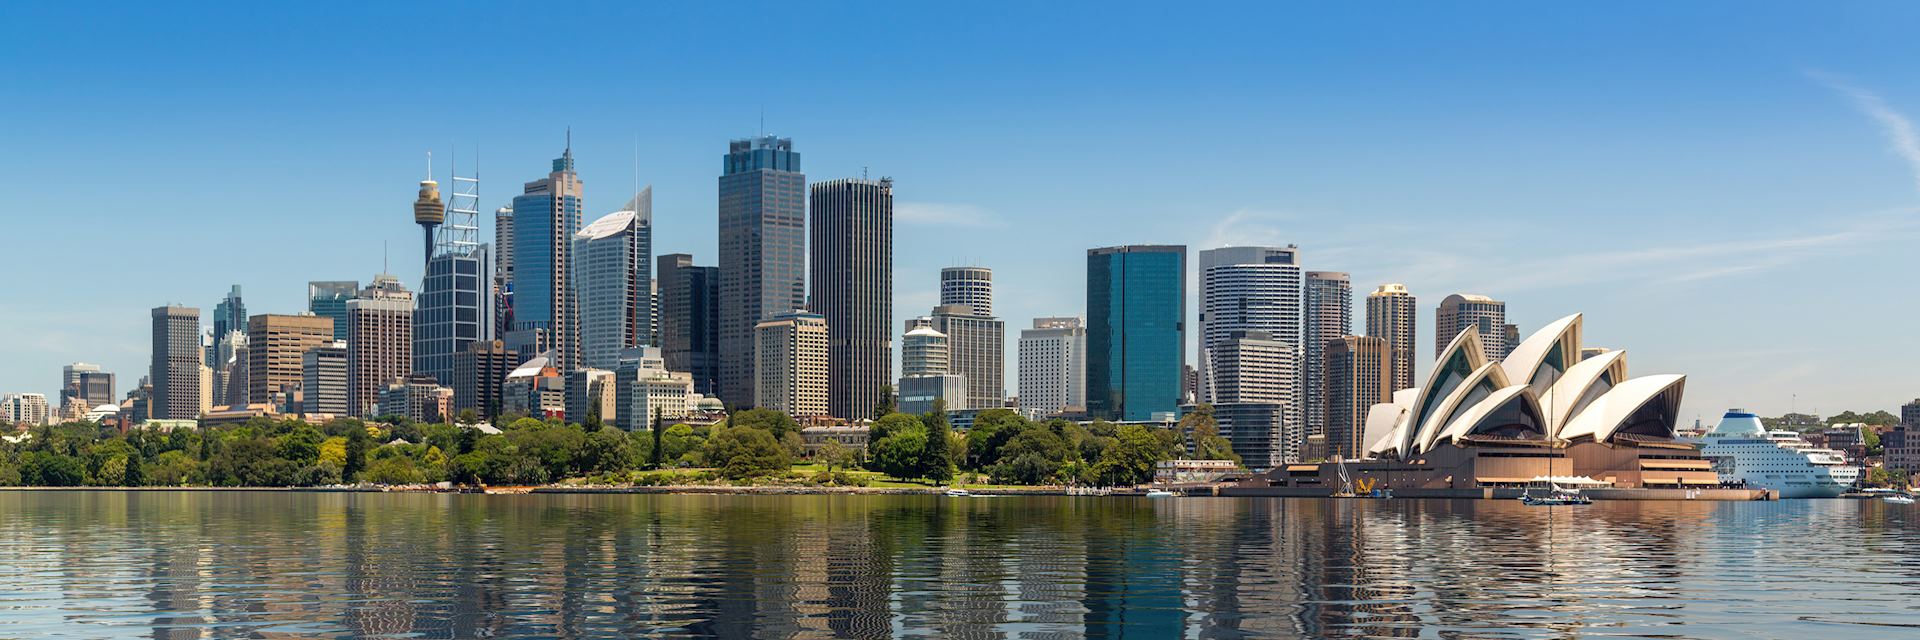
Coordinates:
[170,564]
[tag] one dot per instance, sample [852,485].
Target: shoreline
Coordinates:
[1191,491]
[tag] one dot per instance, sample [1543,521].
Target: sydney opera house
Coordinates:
[1551,408]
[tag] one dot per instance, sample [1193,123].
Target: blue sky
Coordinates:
[1729,190]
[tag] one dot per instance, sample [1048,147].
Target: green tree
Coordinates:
[44,469]
[743,452]
[659,450]
[777,423]
[395,470]
[1204,431]
[887,404]
[356,454]
[833,454]
[936,463]
[901,452]
[609,450]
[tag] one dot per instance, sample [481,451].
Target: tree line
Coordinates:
[751,444]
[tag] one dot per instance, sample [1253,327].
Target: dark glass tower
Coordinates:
[1136,333]
[689,318]
[853,287]
[763,251]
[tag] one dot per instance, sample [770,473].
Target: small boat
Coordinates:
[1559,497]
[959,493]
[1898,498]
[1161,493]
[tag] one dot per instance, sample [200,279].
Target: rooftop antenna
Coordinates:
[569,139]
[763,121]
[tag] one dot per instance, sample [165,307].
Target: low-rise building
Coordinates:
[849,436]
[417,397]
[1185,471]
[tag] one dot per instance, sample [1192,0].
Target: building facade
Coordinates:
[591,396]
[323,380]
[25,409]
[689,319]
[1359,375]
[1259,433]
[229,315]
[1256,289]
[1053,366]
[478,372]
[1462,311]
[417,397]
[1251,366]
[792,352]
[971,286]
[176,359]
[1328,298]
[977,352]
[328,299]
[275,345]
[852,273]
[613,256]
[763,252]
[1136,331]
[379,343]
[81,382]
[1391,316]
[545,216]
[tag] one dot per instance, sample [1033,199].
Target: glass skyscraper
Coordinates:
[328,299]
[763,251]
[545,218]
[1136,333]
[613,273]
[454,310]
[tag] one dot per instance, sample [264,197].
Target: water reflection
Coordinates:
[207,565]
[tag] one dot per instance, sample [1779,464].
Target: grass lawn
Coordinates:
[877,479]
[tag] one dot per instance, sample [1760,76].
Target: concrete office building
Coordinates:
[613,258]
[1053,366]
[478,372]
[971,286]
[417,397]
[1359,375]
[1136,332]
[792,352]
[379,342]
[689,319]
[25,409]
[591,396]
[852,273]
[175,369]
[923,351]
[1329,315]
[644,393]
[1256,289]
[323,380]
[763,252]
[1486,316]
[545,216]
[1251,366]
[85,383]
[1391,316]
[923,393]
[275,346]
[328,298]
[977,352]
[502,271]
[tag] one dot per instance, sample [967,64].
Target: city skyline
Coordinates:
[1776,186]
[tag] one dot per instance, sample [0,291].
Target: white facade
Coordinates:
[1251,366]
[791,367]
[1254,289]
[923,352]
[645,391]
[611,272]
[28,409]
[1053,366]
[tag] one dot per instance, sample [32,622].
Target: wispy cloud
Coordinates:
[1895,125]
[1247,227]
[945,214]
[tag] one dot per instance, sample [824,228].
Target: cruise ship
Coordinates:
[1743,451]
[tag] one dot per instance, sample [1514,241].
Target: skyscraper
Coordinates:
[502,271]
[1391,316]
[545,217]
[976,351]
[323,380]
[1136,332]
[83,382]
[455,305]
[1256,289]
[1053,366]
[1329,315]
[229,315]
[971,286]
[175,369]
[276,346]
[1250,366]
[1359,372]
[926,370]
[689,319]
[614,272]
[478,372]
[1462,311]
[792,351]
[328,298]
[379,342]
[923,351]
[852,270]
[763,251]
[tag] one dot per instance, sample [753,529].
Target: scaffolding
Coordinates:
[460,234]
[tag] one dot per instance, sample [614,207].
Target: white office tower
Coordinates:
[1254,289]
[1053,366]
